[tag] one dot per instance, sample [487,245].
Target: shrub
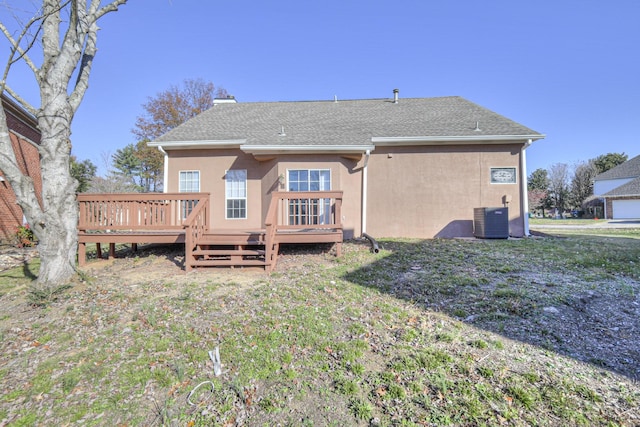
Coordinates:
[25,237]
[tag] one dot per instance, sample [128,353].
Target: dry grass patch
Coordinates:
[438,332]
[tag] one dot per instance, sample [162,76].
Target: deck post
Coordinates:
[98,251]
[82,254]
[112,250]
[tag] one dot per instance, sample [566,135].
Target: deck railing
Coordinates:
[300,210]
[136,211]
[292,217]
[196,224]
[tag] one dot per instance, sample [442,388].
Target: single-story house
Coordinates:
[620,189]
[25,136]
[407,167]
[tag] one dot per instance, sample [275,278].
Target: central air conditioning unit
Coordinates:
[491,223]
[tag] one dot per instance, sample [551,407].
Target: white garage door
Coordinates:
[624,209]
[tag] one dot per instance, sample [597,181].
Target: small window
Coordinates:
[503,176]
[236,194]
[189,182]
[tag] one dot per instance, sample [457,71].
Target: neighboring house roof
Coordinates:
[343,125]
[628,169]
[20,121]
[631,188]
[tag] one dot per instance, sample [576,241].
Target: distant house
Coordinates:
[620,189]
[24,134]
[407,167]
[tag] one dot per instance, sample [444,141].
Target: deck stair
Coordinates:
[292,218]
[229,249]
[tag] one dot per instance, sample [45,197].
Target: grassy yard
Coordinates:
[440,332]
[567,221]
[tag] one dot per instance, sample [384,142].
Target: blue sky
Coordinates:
[569,69]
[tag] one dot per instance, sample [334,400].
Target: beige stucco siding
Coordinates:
[415,191]
[213,165]
[262,179]
[345,176]
[430,191]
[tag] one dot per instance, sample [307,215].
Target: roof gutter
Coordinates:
[195,145]
[434,140]
[284,149]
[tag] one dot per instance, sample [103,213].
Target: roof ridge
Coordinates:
[338,100]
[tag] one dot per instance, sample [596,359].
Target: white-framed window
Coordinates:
[236,193]
[309,211]
[309,179]
[189,182]
[504,175]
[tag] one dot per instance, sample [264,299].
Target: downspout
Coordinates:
[364,191]
[374,244]
[523,186]
[165,170]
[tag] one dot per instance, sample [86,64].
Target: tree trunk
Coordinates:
[57,227]
[68,35]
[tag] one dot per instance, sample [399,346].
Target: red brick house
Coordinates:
[24,134]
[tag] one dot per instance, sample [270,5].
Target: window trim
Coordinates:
[186,206]
[227,198]
[309,171]
[180,190]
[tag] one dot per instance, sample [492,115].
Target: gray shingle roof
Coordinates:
[631,188]
[628,169]
[348,122]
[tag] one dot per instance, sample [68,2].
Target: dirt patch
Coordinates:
[11,257]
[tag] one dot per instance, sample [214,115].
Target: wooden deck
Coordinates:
[293,217]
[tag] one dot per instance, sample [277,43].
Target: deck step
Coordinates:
[222,252]
[226,241]
[227,263]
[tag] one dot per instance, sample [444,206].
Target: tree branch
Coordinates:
[82,82]
[15,47]
[51,36]
[90,48]
[21,100]
[111,7]
[21,184]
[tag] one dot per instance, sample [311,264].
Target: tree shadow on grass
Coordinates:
[28,272]
[510,287]
[173,252]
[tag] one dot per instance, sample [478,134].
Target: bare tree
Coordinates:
[66,32]
[559,186]
[112,182]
